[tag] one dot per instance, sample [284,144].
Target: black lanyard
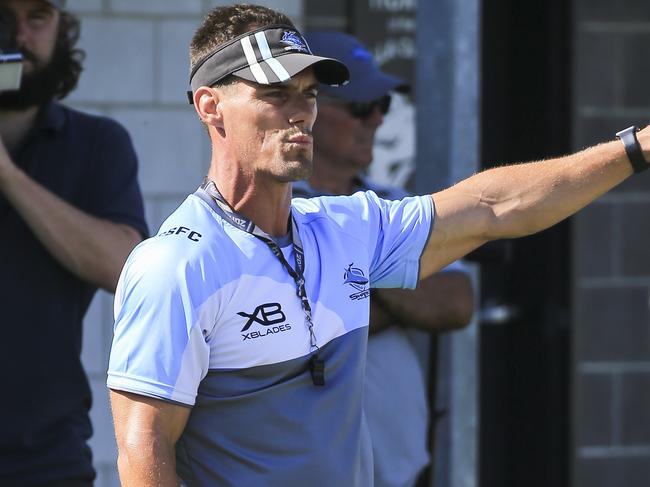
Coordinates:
[316,365]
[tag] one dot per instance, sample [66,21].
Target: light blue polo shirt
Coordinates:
[206,316]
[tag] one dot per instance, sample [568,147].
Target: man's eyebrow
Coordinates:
[274,86]
[44,12]
[286,87]
[43,8]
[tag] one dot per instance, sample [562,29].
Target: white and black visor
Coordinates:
[271,54]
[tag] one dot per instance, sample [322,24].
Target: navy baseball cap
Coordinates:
[58,4]
[367,81]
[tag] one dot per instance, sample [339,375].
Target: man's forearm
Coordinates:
[380,317]
[146,431]
[147,464]
[91,248]
[522,199]
[514,201]
[531,197]
[442,302]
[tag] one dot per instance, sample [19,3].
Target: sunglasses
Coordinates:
[363,109]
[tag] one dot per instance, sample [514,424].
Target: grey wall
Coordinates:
[611,249]
[136,72]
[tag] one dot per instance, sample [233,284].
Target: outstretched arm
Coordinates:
[441,302]
[514,201]
[147,430]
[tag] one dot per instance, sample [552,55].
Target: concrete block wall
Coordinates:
[611,393]
[333,15]
[136,72]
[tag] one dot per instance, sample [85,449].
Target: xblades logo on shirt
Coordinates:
[267,315]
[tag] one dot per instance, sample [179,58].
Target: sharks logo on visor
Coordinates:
[294,41]
[357,279]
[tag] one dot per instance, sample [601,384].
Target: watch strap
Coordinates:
[633,148]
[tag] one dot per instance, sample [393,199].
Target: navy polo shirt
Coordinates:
[89,162]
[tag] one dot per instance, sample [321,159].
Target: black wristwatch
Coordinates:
[633,148]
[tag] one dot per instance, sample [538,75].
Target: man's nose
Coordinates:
[20,33]
[304,111]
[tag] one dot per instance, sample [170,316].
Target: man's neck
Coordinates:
[15,125]
[331,178]
[266,204]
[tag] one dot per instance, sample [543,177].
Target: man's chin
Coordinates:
[363,159]
[28,67]
[15,101]
[297,170]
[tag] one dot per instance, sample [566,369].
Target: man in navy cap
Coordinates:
[71,211]
[395,389]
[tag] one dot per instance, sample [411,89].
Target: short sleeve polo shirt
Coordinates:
[207,317]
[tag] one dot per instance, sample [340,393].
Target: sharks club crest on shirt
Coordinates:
[354,277]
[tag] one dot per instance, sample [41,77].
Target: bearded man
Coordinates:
[71,210]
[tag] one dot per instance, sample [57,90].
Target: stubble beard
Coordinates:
[298,168]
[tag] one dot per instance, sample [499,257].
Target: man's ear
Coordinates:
[207,106]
